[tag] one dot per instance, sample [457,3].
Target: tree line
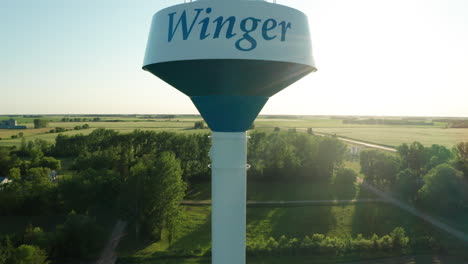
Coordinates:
[433,177]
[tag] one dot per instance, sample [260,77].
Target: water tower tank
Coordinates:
[229,56]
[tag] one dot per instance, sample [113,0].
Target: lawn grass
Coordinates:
[347,220]
[381,259]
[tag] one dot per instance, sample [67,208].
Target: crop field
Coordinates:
[392,135]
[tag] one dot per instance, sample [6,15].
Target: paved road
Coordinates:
[431,220]
[108,255]
[357,142]
[286,203]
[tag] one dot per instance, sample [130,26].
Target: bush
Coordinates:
[199,125]
[400,240]
[60,129]
[328,245]
[78,237]
[27,254]
[385,243]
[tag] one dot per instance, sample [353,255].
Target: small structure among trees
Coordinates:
[10,124]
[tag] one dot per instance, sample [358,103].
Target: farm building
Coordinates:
[4,180]
[10,124]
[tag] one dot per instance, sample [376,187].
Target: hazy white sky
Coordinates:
[374,57]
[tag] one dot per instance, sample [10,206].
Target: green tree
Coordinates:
[153,193]
[199,125]
[51,163]
[443,189]
[40,123]
[408,184]
[344,183]
[332,154]
[27,254]
[461,153]
[438,155]
[7,161]
[399,238]
[379,168]
[414,156]
[78,237]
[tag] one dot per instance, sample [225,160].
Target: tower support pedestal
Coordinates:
[228,193]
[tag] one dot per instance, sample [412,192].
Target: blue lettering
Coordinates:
[220,24]
[247,37]
[266,28]
[284,28]
[270,29]
[183,19]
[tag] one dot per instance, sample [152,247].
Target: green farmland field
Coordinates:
[392,135]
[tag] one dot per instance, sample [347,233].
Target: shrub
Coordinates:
[27,254]
[78,237]
[385,243]
[400,240]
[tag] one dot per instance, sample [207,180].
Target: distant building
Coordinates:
[10,124]
[355,151]
[4,180]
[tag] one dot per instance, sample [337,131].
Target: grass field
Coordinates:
[417,259]
[392,135]
[365,219]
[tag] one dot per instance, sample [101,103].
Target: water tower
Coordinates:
[229,57]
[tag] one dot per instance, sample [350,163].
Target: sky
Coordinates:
[374,57]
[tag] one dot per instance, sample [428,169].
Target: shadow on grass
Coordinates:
[196,230]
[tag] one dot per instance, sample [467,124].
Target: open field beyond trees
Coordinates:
[391,135]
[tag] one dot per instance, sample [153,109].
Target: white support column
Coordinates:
[228,193]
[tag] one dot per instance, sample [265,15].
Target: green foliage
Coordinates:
[199,125]
[40,123]
[78,237]
[344,183]
[420,159]
[7,161]
[27,254]
[379,168]
[59,130]
[153,192]
[35,236]
[461,162]
[443,189]
[293,155]
[6,249]
[328,245]
[399,238]
[51,163]
[408,184]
